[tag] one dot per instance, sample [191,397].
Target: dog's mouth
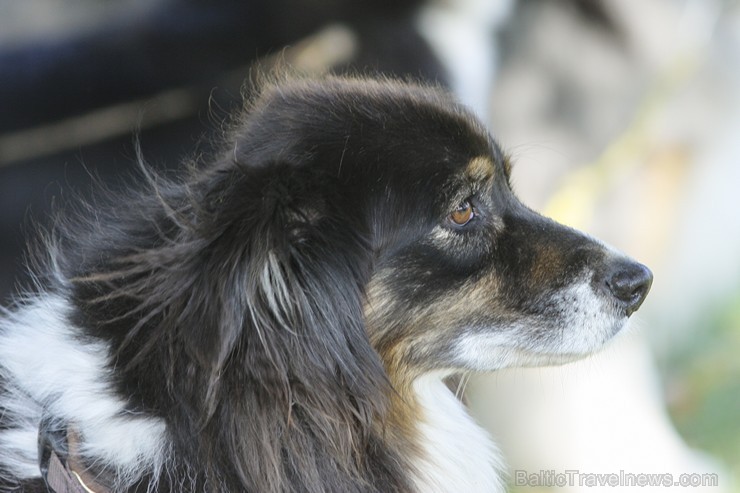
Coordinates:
[487,352]
[569,324]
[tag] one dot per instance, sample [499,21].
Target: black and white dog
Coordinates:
[284,318]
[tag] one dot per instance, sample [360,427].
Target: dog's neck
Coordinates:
[453,452]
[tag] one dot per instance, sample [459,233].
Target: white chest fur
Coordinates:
[49,370]
[457,454]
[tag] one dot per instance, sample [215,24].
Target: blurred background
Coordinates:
[622,116]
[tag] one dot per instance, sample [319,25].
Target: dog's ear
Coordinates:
[286,268]
[235,304]
[287,263]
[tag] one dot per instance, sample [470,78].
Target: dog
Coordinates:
[285,316]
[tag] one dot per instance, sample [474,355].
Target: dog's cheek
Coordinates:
[418,329]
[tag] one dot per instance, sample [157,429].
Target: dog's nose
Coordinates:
[629,282]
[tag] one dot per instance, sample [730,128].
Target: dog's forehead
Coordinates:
[384,140]
[374,116]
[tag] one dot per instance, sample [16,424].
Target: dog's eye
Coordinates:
[463,214]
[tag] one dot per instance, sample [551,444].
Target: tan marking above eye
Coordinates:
[480,169]
[463,214]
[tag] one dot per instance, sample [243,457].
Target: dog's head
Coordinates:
[405,191]
[374,209]
[351,230]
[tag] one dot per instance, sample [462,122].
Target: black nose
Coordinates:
[629,282]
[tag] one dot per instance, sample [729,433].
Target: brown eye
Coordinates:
[463,214]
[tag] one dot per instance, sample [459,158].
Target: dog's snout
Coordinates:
[628,282]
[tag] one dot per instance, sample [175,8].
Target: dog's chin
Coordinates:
[485,352]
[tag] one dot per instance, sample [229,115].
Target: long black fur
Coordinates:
[274,307]
[232,300]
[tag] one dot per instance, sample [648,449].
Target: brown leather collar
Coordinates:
[59,461]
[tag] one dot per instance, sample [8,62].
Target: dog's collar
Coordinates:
[59,461]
